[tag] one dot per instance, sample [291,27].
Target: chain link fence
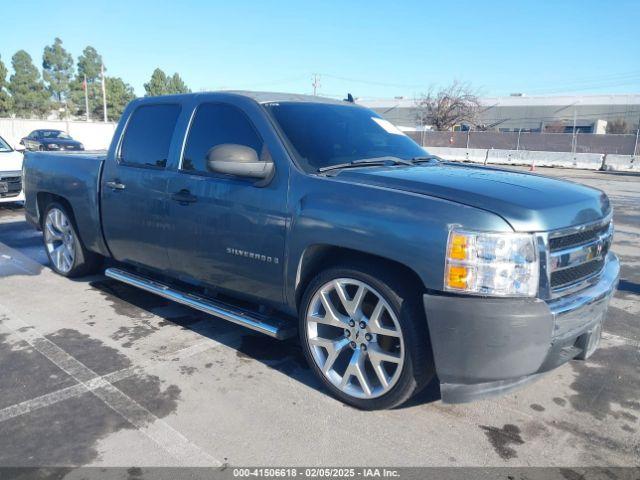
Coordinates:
[541,142]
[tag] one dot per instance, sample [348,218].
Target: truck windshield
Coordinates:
[326,134]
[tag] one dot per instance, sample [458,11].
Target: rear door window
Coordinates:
[147,136]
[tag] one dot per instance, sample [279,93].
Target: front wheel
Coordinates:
[364,334]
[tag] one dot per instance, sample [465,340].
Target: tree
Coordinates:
[119,94]
[88,65]
[5,99]
[157,84]
[448,106]
[30,98]
[160,84]
[175,84]
[57,70]
[617,126]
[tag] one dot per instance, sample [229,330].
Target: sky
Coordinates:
[372,49]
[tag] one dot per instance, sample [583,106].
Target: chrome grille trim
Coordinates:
[563,232]
[573,256]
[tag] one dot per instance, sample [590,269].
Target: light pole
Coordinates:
[316,83]
[85,87]
[104,94]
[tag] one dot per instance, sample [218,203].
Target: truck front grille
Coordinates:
[577,255]
[569,276]
[14,186]
[578,238]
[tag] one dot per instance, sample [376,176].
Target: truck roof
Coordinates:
[260,97]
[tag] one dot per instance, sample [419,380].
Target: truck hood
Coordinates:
[528,202]
[10,161]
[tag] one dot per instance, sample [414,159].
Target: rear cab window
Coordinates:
[148,134]
[215,124]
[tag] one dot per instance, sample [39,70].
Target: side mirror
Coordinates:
[20,148]
[239,160]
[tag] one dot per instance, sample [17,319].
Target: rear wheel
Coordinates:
[67,255]
[364,334]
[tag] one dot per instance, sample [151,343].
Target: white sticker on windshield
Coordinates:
[387,125]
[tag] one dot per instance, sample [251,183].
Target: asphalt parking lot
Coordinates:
[93,372]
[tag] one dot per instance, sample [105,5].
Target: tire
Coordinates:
[41,148]
[67,254]
[406,360]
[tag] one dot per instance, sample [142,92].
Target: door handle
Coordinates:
[184,197]
[115,185]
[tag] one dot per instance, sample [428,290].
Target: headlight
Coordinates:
[492,264]
[53,146]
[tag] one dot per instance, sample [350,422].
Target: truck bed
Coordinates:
[74,176]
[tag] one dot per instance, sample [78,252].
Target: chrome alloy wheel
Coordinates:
[355,338]
[59,240]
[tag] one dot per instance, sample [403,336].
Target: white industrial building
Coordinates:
[528,113]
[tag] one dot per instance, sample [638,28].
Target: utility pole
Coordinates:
[573,140]
[315,83]
[635,147]
[85,87]
[104,94]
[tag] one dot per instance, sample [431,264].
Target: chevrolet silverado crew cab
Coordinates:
[293,214]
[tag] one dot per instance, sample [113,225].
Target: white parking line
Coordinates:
[618,339]
[173,442]
[52,398]
[16,259]
[42,401]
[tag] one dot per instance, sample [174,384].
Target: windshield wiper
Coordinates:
[366,162]
[426,158]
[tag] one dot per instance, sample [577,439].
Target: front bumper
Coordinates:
[488,346]
[11,199]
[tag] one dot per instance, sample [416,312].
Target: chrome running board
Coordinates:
[260,323]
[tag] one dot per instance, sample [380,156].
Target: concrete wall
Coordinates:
[94,135]
[586,161]
[622,163]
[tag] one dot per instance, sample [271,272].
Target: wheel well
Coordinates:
[46,198]
[317,258]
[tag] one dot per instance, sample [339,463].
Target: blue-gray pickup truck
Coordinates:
[297,215]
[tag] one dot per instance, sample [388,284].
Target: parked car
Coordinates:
[50,140]
[288,213]
[10,173]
